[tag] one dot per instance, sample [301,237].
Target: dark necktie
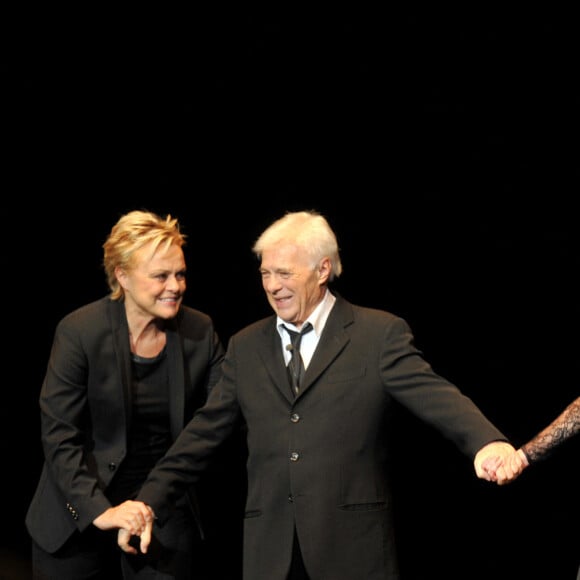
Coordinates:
[296,366]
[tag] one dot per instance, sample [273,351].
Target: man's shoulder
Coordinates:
[361,313]
[258,327]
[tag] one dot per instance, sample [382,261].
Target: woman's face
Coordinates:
[155,284]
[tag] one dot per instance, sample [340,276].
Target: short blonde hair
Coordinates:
[132,232]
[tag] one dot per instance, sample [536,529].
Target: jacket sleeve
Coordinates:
[432,398]
[66,424]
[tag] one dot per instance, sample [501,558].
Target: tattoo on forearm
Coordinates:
[562,428]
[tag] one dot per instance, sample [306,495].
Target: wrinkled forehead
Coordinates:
[284,256]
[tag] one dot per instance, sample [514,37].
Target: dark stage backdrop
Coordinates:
[439,145]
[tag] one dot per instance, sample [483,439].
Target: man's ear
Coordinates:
[324,270]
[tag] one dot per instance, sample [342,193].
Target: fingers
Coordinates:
[123,539]
[486,463]
[502,468]
[502,475]
[488,468]
[485,473]
[146,537]
[492,462]
[132,518]
[130,515]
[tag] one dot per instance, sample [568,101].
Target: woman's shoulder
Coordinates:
[95,310]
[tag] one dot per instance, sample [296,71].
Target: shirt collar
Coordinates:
[317,318]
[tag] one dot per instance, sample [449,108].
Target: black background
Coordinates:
[441,145]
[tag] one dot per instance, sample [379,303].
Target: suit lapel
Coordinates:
[176,378]
[270,351]
[122,351]
[333,340]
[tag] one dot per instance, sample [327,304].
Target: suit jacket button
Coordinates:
[294,456]
[112,466]
[295,417]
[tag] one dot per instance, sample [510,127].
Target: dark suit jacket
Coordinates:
[320,462]
[85,405]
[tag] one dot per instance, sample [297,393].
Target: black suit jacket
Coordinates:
[319,462]
[85,405]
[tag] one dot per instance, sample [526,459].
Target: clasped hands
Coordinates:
[499,462]
[124,537]
[132,518]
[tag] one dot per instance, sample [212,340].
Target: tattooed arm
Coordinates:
[562,428]
[559,430]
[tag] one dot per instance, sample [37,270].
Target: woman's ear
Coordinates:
[121,276]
